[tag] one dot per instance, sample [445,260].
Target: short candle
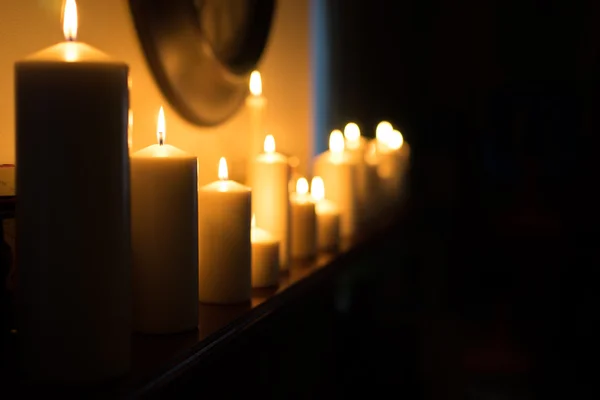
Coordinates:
[224,216]
[265,257]
[304,222]
[328,217]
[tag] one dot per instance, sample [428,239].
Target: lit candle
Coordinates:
[270,196]
[164,235]
[73,219]
[339,172]
[265,257]
[355,145]
[304,222]
[224,216]
[328,217]
[394,160]
[374,183]
[257,107]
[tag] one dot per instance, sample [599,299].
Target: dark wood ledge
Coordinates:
[160,360]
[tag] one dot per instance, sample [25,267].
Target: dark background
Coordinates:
[499,102]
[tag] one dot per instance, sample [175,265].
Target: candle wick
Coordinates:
[161,141]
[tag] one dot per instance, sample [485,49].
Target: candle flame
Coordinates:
[269,144]
[253,221]
[70,20]
[383,131]
[395,140]
[223,173]
[336,141]
[161,133]
[352,133]
[255,83]
[317,188]
[302,186]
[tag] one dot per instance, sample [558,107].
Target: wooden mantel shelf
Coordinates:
[159,360]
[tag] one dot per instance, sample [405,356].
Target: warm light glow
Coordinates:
[352,133]
[317,188]
[253,222]
[161,133]
[383,132]
[255,83]
[302,186]
[336,141]
[70,20]
[269,145]
[223,173]
[395,140]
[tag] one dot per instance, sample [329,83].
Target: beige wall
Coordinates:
[30,25]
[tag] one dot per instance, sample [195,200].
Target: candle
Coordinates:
[270,196]
[265,257]
[73,221]
[328,217]
[339,171]
[164,233]
[374,183]
[304,222]
[257,106]
[393,161]
[355,145]
[224,216]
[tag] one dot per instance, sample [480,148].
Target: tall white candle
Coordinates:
[392,162]
[270,197]
[73,221]
[328,217]
[256,103]
[304,222]
[164,228]
[265,257]
[356,146]
[224,216]
[339,172]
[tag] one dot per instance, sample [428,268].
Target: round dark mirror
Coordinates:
[202,51]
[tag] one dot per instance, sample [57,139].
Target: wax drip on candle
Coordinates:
[70,20]
[255,83]
[161,127]
[317,188]
[269,144]
[352,135]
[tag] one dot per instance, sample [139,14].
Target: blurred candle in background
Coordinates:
[265,257]
[355,146]
[73,211]
[257,107]
[304,222]
[164,228]
[328,217]
[338,170]
[270,196]
[224,216]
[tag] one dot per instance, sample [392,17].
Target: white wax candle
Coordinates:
[73,220]
[164,228]
[339,173]
[393,163]
[270,197]
[356,145]
[328,217]
[224,215]
[304,222]
[256,104]
[265,257]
